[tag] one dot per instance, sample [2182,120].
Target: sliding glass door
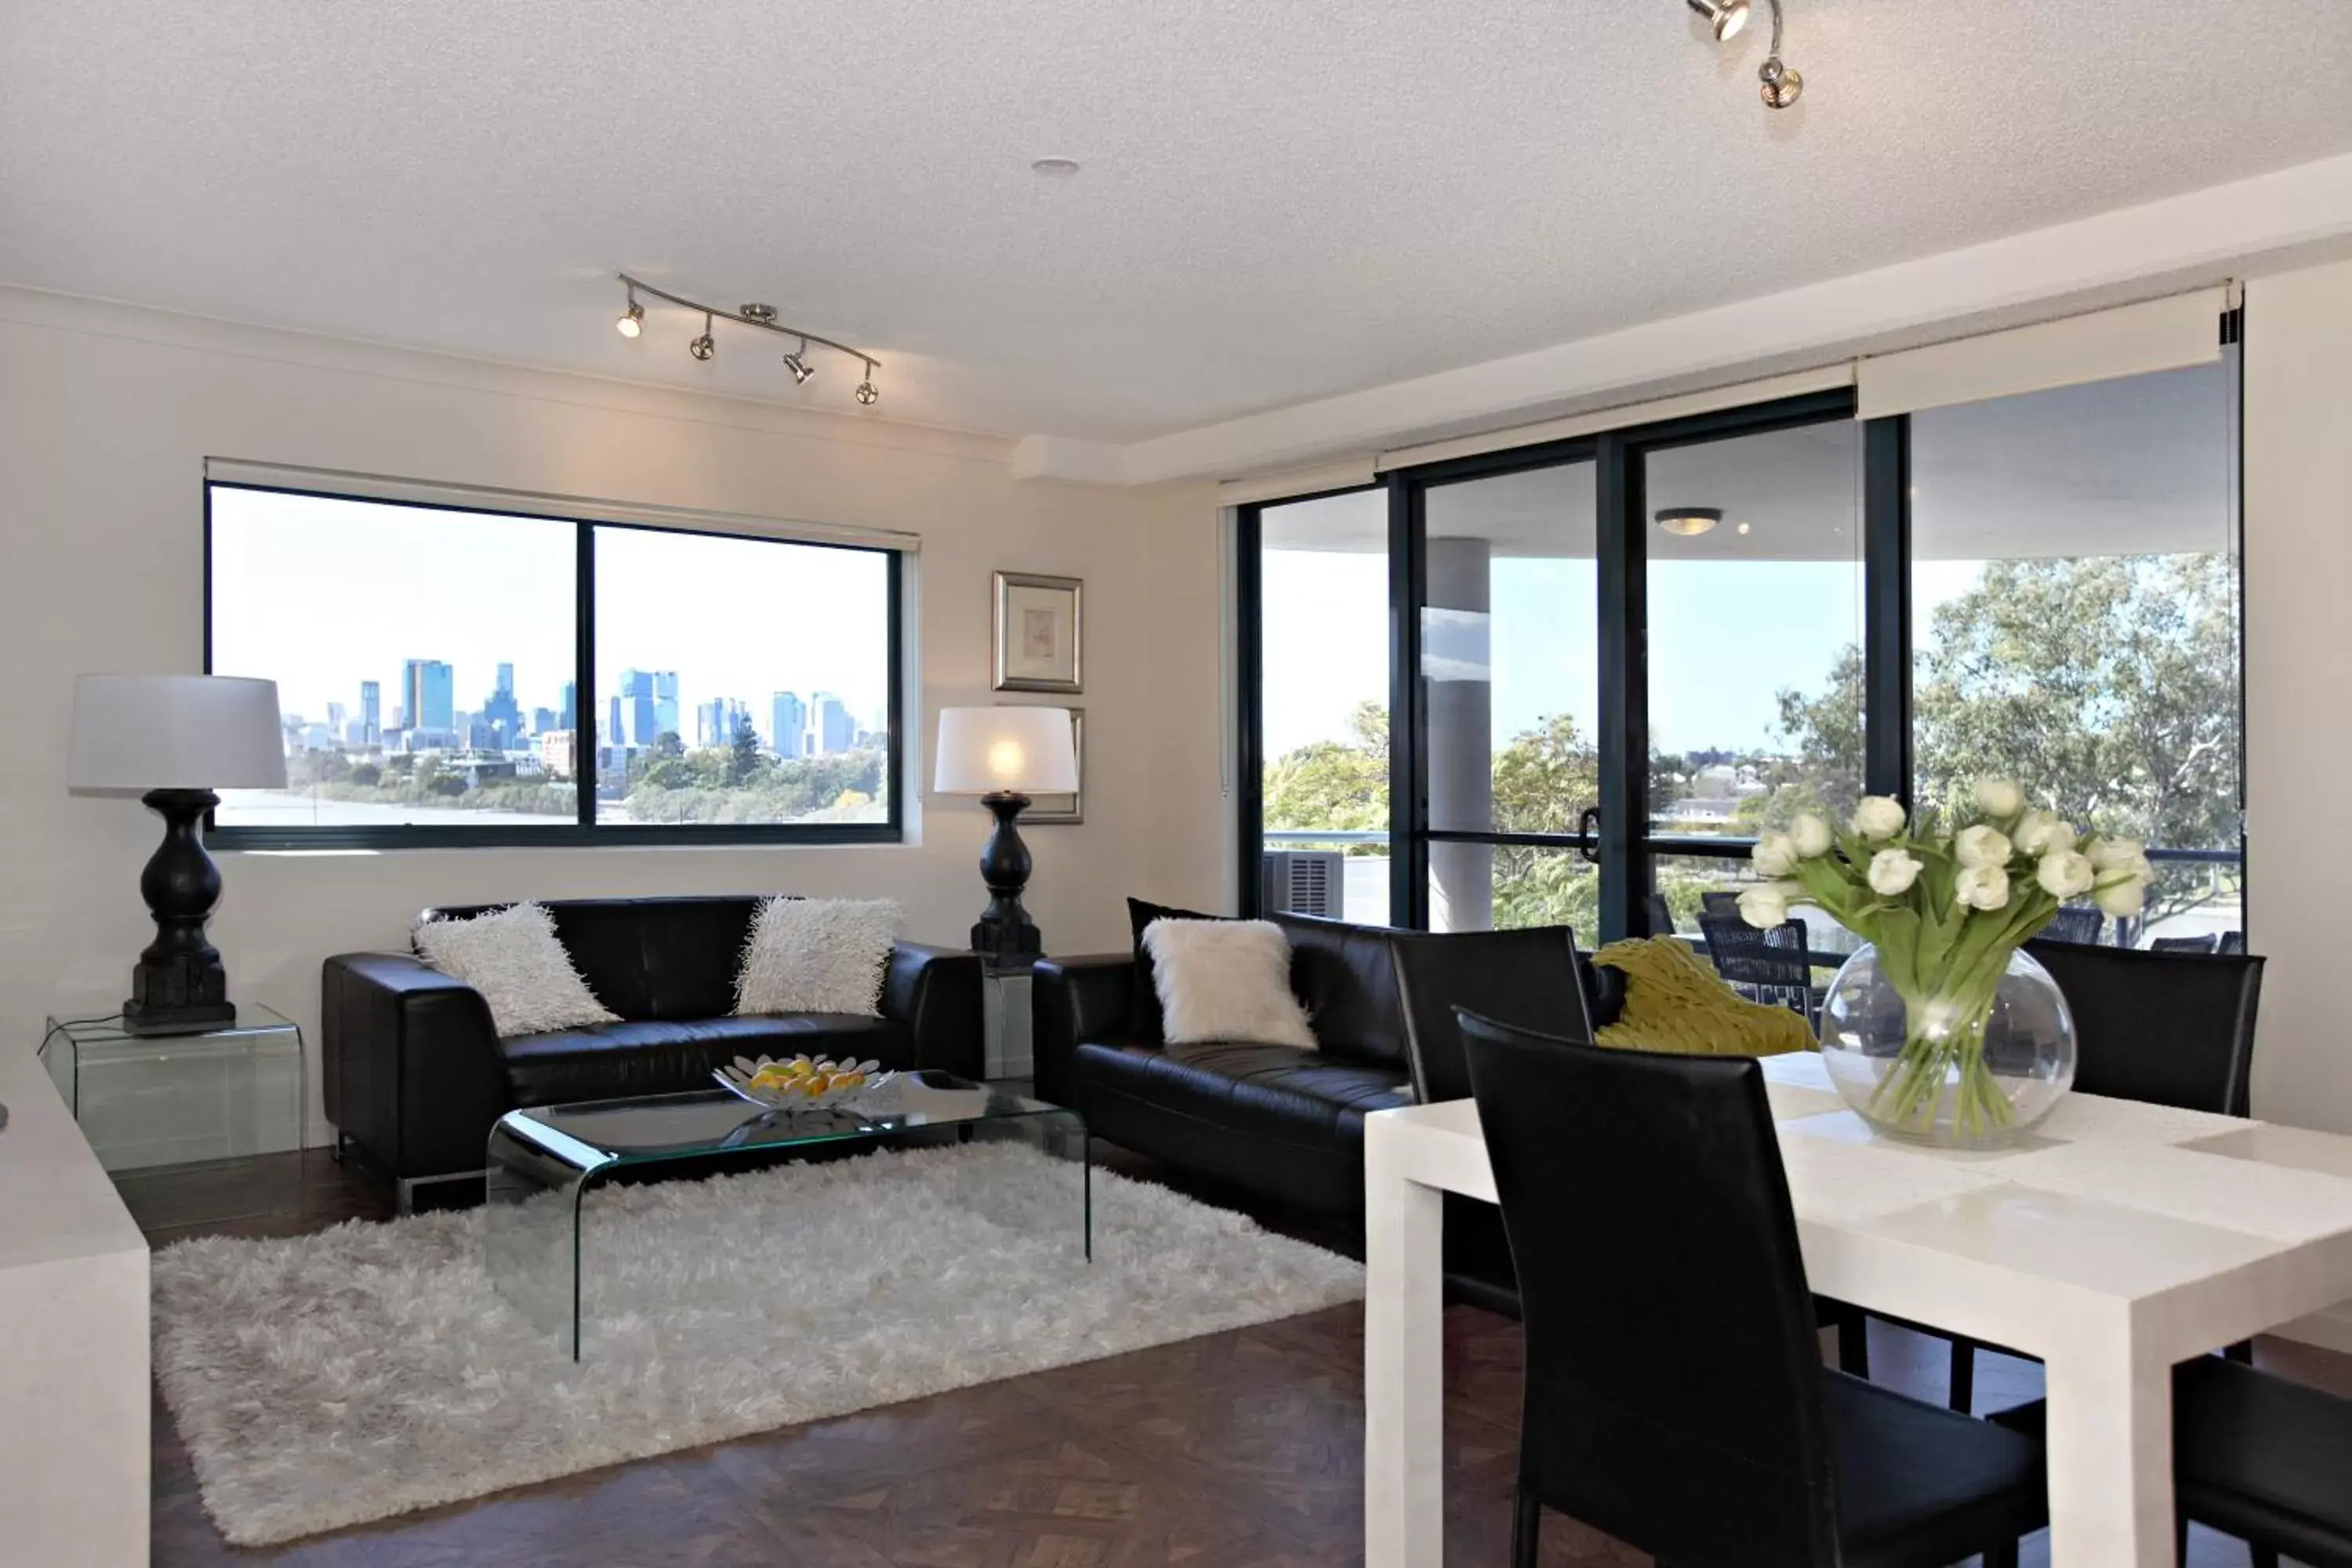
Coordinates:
[1570,683]
[1509,699]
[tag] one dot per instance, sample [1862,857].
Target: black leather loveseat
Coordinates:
[416,1075]
[1288,1124]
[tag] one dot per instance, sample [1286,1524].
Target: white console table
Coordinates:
[74,1400]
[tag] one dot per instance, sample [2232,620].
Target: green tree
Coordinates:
[744,761]
[2107,685]
[1340,785]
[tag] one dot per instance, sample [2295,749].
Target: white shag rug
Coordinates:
[370,1370]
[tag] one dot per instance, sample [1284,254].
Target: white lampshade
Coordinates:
[175,732]
[1006,751]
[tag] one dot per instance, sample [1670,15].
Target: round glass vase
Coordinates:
[1955,1070]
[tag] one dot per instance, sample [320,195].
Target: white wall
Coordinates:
[108,414]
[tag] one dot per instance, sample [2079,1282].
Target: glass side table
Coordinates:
[175,1119]
[1007,1036]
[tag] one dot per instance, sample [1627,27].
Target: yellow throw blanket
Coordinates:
[1675,1002]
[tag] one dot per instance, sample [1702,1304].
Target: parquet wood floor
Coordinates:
[1238,1450]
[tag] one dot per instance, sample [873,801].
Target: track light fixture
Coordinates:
[762,317]
[1779,82]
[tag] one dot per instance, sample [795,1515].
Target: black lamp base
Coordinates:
[178,986]
[1004,930]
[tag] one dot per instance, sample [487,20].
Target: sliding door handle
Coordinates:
[1588,828]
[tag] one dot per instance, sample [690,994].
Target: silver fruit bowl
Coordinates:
[740,1077]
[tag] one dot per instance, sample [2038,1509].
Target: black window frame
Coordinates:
[586,833]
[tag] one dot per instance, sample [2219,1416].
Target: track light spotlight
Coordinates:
[1780,85]
[633,320]
[1726,16]
[797,363]
[867,395]
[704,346]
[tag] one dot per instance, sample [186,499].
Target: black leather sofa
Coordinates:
[416,1075]
[1288,1124]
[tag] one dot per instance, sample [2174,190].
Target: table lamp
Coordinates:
[173,739]
[1004,756]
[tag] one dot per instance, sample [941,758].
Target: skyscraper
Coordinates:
[787,718]
[569,716]
[430,687]
[665,715]
[371,713]
[831,729]
[501,714]
[634,715]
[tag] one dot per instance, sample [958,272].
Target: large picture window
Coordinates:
[458,676]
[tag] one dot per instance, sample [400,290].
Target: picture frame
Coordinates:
[1064,810]
[1039,625]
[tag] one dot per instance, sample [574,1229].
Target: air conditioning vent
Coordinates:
[1304,882]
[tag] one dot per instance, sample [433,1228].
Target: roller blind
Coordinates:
[1624,415]
[1350,474]
[2161,334]
[527,503]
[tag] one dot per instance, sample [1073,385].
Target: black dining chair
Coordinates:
[2209,942]
[1675,1395]
[1662,919]
[2256,1456]
[2165,1028]
[2076,922]
[2231,941]
[1766,964]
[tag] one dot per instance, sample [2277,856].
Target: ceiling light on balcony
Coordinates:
[1689,522]
[1726,16]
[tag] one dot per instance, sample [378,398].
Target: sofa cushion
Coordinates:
[651,958]
[1346,977]
[616,1061]
[1278,1091]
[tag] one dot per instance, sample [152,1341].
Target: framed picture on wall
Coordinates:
[1064,810]
[1037,627]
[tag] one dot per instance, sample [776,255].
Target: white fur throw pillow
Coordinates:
[515,959]
[1226,980]
[818,955]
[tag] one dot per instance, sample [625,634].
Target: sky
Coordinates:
[1724,637]
[320,594]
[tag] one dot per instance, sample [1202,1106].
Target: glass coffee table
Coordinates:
[544,1161]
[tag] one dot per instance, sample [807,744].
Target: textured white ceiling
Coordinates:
[1280,201]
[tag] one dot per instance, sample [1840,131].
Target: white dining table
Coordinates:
[2113,1241]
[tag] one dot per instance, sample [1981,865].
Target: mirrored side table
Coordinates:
[180,1120]
[1005,984]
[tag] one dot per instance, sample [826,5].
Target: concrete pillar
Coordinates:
[1460,701]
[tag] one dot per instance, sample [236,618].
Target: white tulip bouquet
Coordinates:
[1944,907]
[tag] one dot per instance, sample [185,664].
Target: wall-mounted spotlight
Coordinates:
[762,317]
[1778,81]
[1726,16]
[1689,522]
